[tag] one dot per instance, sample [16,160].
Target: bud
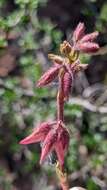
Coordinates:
[89,37]
[78,32]
[65,48]
[73,55]
[48,76]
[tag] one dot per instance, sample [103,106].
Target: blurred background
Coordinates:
[29,30]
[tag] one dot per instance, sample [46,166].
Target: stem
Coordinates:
[63,178]
[60,100]
[60,116]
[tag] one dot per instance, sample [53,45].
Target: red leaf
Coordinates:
[48,76]
[88,47]
[62,143]
[67,84]
[65,140]
[38,135]
[78,32]
[89,37]
[48,144]
[60,152]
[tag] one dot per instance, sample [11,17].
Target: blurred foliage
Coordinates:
[25,40]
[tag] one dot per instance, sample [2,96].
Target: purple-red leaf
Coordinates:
[48,76]
[78,32]
[38,134]
[60,152]
[64,138]
[88,47]
[48,144]
[62,143]
[89,37]
[67,84]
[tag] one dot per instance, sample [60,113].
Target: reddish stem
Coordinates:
[60,116]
